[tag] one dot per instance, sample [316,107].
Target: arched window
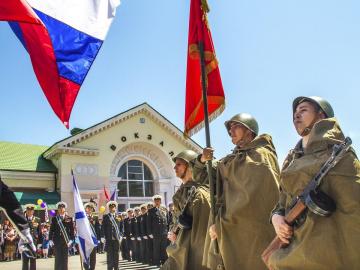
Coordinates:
[136,180]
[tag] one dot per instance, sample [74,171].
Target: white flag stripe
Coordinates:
[87,239]
[90,17]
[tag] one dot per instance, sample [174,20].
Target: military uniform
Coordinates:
[94,225]
[158,230]
[111,228]
[56,235]
[123,245]
[128,235]
[149,254]
[187,251]
[135,229]
[321,243]
[34,223]
[246,188]
[143,236]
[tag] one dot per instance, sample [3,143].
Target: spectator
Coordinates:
[10,242]
[45,242]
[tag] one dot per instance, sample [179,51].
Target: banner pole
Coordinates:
[207,135]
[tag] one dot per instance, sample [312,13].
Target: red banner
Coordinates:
[199,31]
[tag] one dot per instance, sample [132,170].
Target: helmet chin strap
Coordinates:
[184,174]
[308,129]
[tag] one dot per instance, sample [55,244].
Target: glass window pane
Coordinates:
[149,189]
[122,189]
[121,207]
[122,172]
[135,169]
[135,176]
[147,173]
[136,189]
[135,163]
[132,205]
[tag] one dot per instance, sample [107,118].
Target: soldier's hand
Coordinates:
[69,243]
[172,237]
[207,154]
[151,236]
[282,229]
[212,232]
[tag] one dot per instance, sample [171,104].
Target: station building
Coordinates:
[130,153]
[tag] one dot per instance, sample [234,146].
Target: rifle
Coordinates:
[311,198]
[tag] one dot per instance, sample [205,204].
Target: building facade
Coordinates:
[129,154]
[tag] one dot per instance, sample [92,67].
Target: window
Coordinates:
[136,180]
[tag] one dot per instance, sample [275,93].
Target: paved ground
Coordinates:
[74,264]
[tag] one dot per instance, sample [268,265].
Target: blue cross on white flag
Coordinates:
[87,238]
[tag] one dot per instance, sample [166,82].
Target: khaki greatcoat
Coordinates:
[248,187]
[187,251]
[322,243]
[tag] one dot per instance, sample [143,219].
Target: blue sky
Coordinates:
[270,52]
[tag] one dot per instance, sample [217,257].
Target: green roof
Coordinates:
[24,157]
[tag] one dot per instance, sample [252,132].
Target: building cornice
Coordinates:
[53,151]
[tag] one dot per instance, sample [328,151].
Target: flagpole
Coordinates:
[207,135]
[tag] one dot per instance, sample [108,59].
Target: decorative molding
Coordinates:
[71,151]
[86,169]
[19,175]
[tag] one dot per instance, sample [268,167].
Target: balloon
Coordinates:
[39,201]
[43,205]
[102,209]
[52,213]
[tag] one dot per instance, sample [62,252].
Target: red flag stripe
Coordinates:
[18,11]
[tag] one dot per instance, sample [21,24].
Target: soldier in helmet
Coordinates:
[246,188]
[318,243]
[191,213]
[111,229]
[34,225]
[158,223]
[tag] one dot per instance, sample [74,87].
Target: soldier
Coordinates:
[128,233]
[192,209]
[143,233]
[150,238]
[15,215]
[246,188]
[158,223]
[61,235]
[111,229]
[123,245]
[95,227]
[137,233]
[319,243]
[34,225]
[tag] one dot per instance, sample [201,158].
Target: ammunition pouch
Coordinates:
[320,203]
[185,221]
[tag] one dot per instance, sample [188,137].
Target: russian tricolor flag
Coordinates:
[62,38]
